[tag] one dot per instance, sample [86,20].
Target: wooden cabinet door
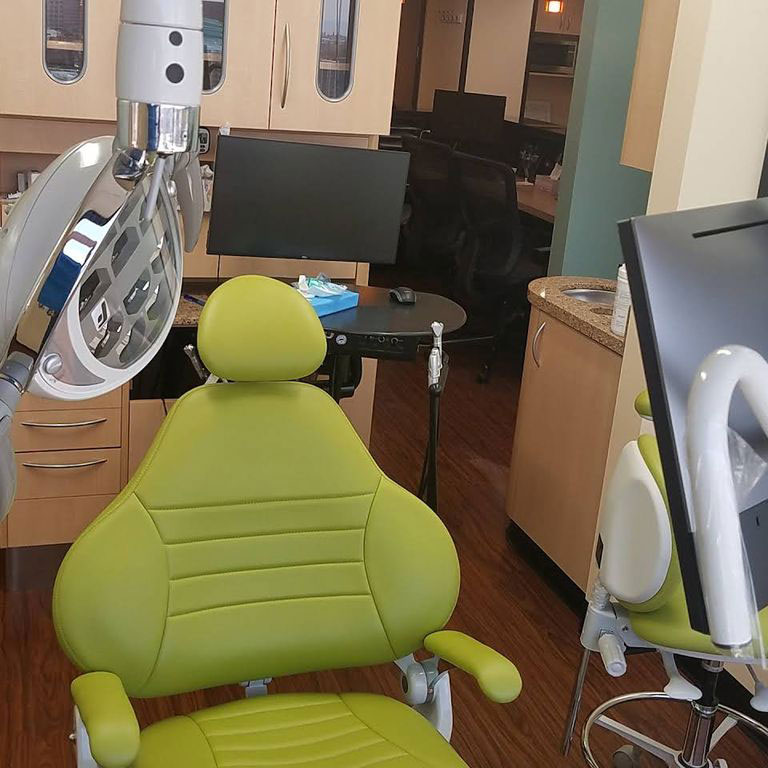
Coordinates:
[242,97]
[564,422]
[549,22]
[26,88]
[297,103]
[572,15]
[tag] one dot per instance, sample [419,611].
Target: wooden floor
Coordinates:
[504,602]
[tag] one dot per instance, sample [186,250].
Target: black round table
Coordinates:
[379,315]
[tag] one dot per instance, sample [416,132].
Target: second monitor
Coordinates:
[306,201]
[468,117]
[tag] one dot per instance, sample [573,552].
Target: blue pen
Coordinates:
[194,300]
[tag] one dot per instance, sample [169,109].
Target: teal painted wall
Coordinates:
[595,190]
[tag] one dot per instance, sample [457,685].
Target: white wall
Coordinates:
[498,50]
[442,49]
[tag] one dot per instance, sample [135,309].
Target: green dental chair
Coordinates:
[638,605]
[259,539]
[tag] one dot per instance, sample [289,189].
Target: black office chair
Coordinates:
[497,259]
[434,231]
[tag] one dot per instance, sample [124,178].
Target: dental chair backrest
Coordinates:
[258,538]
[639,565]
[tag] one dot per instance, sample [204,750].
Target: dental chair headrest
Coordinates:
[258,329]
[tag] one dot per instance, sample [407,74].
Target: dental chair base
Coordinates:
[607,631]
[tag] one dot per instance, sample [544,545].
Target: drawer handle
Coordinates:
[535,345]
[72,425]
[287,70]
[80,465]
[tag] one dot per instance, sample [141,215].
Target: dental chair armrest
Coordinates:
[109,719]
[497,677]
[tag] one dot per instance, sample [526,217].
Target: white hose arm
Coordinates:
[717,527]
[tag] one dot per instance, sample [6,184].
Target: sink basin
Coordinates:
[591,296]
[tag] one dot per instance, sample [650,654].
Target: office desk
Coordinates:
[536,202]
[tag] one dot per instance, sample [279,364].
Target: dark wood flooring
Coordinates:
[504,601]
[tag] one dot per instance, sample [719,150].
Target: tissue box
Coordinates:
[328,305]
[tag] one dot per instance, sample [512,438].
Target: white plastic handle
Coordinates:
[612,653]
[715,514]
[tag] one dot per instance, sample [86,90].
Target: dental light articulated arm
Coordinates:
[716,524]
[92,254]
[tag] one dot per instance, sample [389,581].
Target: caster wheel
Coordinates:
[626,757]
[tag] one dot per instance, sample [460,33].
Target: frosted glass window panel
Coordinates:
[337,45]
[214,43]
[65,40]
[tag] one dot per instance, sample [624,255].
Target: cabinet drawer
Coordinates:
[60,474]
[63,430]
[33,403]
[38,522]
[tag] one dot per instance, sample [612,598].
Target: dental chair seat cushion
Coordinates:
[301,731]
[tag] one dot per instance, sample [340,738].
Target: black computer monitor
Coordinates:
[699,281]
[468,117]
[305,201]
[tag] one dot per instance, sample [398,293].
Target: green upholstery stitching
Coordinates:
[211,582]
[303,731]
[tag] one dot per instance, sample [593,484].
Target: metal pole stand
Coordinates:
[428,484]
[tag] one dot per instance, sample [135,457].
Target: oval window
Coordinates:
[337,45]
[64,55]
[214,43]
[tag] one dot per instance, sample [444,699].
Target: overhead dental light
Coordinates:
[91,257]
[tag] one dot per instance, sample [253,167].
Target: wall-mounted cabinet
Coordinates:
[237,62]
[567,22]
[57,58]
[498,49]
[334,65]
[296,65]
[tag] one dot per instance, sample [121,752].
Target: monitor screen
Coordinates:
[472,117]
[305,201]
[699,281]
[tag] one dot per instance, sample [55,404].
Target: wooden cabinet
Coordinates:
[269,63]
[563,428]
[302,65]
[26,88]
[71,461]
[649,83]
[242,97]
[572,16]
[566,23]
[498,50]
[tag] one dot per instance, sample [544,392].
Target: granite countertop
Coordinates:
[188,313]
[592,320]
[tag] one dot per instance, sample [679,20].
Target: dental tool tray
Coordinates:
[699,280]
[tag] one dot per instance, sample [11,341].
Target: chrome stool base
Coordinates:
[701,722]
